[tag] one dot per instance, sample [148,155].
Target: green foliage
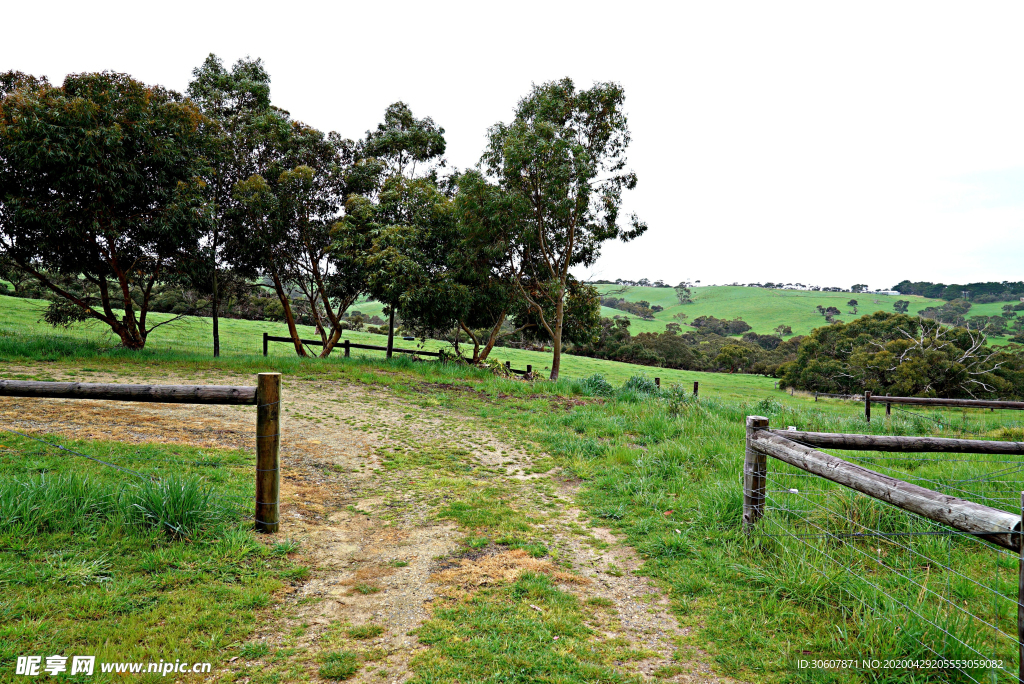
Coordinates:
[562,164]
[640,384]
[100,181]
[595,386]
[905,356]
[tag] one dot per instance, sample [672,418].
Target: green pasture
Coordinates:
[191,337]
[765,309]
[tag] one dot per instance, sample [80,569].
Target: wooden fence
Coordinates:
[266,396]
[796,448]
[869,399]
[349,346]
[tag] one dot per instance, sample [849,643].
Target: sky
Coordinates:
[824,143]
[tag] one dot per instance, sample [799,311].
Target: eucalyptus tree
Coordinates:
[234,101]
[394,173]
[563,157]
[100,193]
[285,225]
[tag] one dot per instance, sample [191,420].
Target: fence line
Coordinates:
[904,582]
[348,346]
[265,396]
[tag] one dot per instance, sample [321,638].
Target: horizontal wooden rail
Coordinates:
[345,345]
[831,440]
[930,401]
[167,394]
[997,526]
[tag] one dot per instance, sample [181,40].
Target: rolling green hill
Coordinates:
[764,309]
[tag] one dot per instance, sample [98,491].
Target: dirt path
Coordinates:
[373,540]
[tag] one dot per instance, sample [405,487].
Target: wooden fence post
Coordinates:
[695,388]
[657,382]
[867,405]
[815,396]
[755,472]
[268,447]
[508,365]
[529,368]
[888,408]
[347,349]
[264,344]
[1020,600]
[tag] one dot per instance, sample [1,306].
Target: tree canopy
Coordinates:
[562,160]
[101,192]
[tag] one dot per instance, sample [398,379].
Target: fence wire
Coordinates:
[907,587]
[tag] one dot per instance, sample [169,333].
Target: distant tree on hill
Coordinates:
[859,288]
[783,330]
[900,306]
[853,304]
[683,293]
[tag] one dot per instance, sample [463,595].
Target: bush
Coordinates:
[641,384]
[595,386]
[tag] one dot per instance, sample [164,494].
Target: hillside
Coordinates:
[764,309]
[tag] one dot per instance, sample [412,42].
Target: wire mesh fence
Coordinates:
[909,589]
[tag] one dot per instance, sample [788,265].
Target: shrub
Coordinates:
[595,386]
[641,384]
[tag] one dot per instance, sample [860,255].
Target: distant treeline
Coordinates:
[702,350]
[978,293]
[642,308]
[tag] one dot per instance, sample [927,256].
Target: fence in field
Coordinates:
[266,396]
[945,571]
[349,346]
[870,398]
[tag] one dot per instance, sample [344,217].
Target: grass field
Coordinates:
[81,565]
[191,338]
[765,309]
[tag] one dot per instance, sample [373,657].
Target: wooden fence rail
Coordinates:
[998,526]
[796,448]
[870,398]
[349,346]
[266,396]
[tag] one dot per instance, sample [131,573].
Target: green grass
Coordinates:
[187,342]
[765,309]
[527,631]
[91,558]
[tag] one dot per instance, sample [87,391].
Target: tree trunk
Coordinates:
[216,325]
[288,316]
[492,339]
[556,337]
[391,331]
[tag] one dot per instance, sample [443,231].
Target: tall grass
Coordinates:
[182,507]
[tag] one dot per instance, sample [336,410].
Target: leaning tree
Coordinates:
[100,193]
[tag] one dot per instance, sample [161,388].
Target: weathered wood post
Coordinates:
[508,366]
[888,408]
[268,447]
[695,388]
[815,397]
[529,368]
[264,344]
[755,473]
[657,382]
[867,405]
[1020,597]
[348,349]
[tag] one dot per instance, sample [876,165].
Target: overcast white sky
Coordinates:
[819,142]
